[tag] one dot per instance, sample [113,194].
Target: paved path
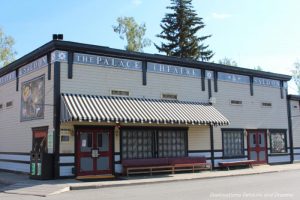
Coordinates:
[277,185]
[20,184]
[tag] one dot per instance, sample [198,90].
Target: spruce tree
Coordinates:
[180,29]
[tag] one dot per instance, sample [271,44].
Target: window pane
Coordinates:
[136,143]
[233,145]
[172,143]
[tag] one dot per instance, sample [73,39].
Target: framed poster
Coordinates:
[33,99]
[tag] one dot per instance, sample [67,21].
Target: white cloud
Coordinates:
[220,15]
[136,2]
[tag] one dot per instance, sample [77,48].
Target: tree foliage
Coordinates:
[180,29]
[134,33]
[259,68]
[7,54]
[296,75]
[227,61]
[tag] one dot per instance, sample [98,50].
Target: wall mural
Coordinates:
[33,99]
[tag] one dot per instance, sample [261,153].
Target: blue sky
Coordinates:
[251,32]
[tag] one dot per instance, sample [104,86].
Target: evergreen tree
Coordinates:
[180,29]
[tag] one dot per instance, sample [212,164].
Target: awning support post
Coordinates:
[212,149]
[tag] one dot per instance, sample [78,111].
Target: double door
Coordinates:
[257,146]
[94,152]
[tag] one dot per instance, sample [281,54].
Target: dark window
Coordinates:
[9,104]
[171,143]
[152,143]
[169,96]
[236,102]
[119,93]
[266,104]
[99,140]
[1,106]
[137,143]
[278,141]
[233,143]
[65,138]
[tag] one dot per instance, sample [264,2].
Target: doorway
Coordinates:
[39,140]
[257,146]
[94,152]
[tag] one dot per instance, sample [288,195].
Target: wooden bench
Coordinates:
[160,165]
[236,163]
[189,164]
[192,167]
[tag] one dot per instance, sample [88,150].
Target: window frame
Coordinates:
[165,146]
[168,96]
[155,143]
[119,91]
[9,104]
[223,130]
[273,131]
[235,102]
[127,139]
[265,104]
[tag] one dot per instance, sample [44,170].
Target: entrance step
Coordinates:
[93,177]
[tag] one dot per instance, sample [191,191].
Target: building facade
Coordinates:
[92,107]
[294,113]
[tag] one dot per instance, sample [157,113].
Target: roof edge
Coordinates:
[94,49]
[294,97]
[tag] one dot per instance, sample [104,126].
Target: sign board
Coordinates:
[95,153]
[33,66]
[105,61]
[173,70]
[7,78]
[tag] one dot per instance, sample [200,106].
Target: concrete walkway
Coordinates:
[21,184]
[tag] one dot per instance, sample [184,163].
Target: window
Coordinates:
[9,104]
[1,106]
[233,143]
[171,143]
[153,143]
[65,138]
[169,96]
[236,102]
[278,141]
[119,93]
[266,104]
[296,107]
[137,143]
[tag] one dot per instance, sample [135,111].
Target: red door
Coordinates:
[94,152]
[257,146]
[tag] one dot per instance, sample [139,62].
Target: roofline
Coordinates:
[294,97]
[101,50]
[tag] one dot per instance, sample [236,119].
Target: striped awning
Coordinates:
[138,110]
